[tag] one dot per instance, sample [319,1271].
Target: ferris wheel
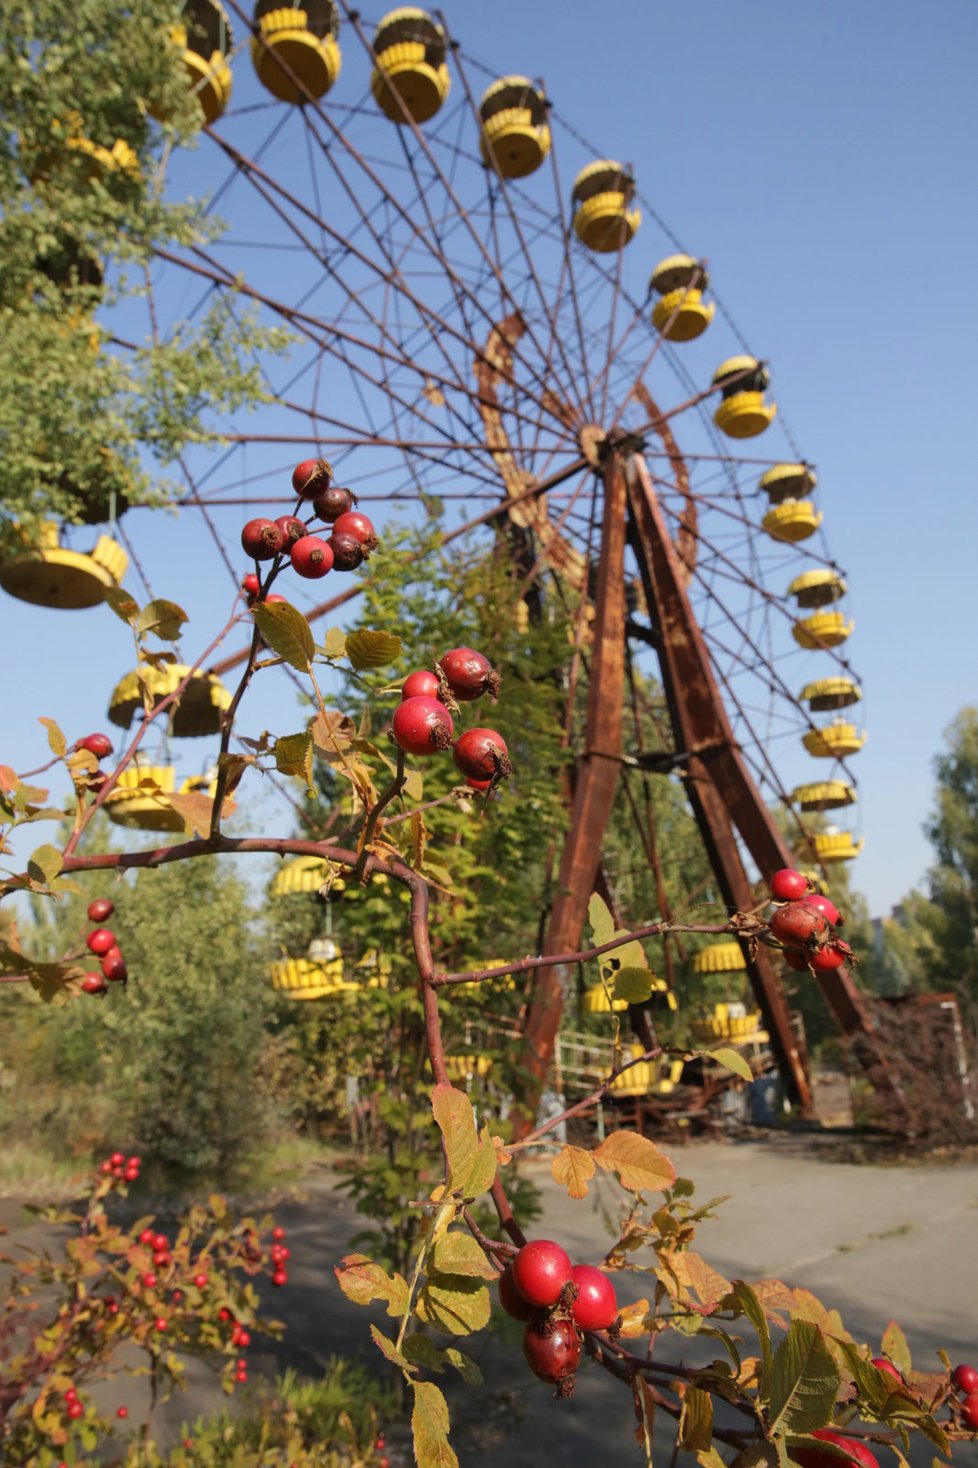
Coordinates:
[487,313]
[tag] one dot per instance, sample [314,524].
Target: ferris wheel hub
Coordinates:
[592,440]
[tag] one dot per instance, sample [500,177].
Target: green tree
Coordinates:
[952,919]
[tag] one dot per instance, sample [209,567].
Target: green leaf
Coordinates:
[803,1381]
[122,604]
[368,649]
[600,921]
[387,1346]
[362,1281]
[287,632]
[293,756]
[894,1345]
[334,644]
[163,618]
[44,864]
[467,1370]
[731,1059]
[633,984]
[696,1422]
[454,1303]
[421,1350]
[429,1427]
[56,740]
[471,1158]
[744,1298]
[457,1252]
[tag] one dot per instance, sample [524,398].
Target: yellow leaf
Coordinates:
[572,1167]
[638,1162]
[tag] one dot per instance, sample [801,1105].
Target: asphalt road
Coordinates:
[875,1241]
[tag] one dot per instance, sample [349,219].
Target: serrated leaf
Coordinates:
[429,1428]
[413,784]
[332,732]
[696,1422]
[634,1319]
[894,1345]
[369,649]
[56,740]
[44,864]
[421,1350]
[334,643]
[633,984]
[361,1280]
[163,618]
[458,1253]
[293,755]
[572,1168]
[744,1297]
[388,1348]
[638,1162]
[122,604]
[803,1381]
[287,632]
[471,1157]
[732,1060]
[466,1368]
[196,810]
[454,1303]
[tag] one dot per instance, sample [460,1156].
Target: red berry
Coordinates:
[75,1410]
[479,784]
[797,960]
[856,1452]
[71,1395]
[224,1314]
[311,557]
[94,984]
[540,1271]
[160,1323]
[98,744]
[480,754]
[241,1376]
[554,1357]
[176,1296]
[280,1277]
[420,685]
[969,1411]
[511,1299]
[787,885]
[100,910]
[798,925]
[244,1339]
[292,529]
[200,1281]
[278,1233]
[965,1378]
[273,596]
[334,502]
[357,525]
[105,1166]
[251,586]
[117,1159]
[100,940]
[348,552]
[161,1258]
[311,477]
[131,1174]
[160,1243]
[596,1306]
[832,956]
[114,967]
[825,906]
[262,539]
[882,1364]
[149,1280]
[147,1236]
[422,726]
[469,674]
[135,1162]
[122,1412]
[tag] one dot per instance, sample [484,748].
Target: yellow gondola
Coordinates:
[648,1077]
[303,978]
[833,845]
[515,136]
[742,411]
[728,1021]
[200,710]
[139,801]
[835,741]
[824,795]
[787,481]
[792,521]
[822,629]
[680,314]
[204,37]
[301,874]
[817,588]
[831,693]
[410,78]
[601,195]
[51,576]
[720,958]
[294,49]
[464,1068]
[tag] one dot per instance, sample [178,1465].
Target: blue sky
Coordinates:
[823,159]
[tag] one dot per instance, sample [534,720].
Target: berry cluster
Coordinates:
[120,1167]
[100,745]
[102,942]
[279,1255]
[422,723]
[965,1379]
[803,924]
[557,1301]
[350,543]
